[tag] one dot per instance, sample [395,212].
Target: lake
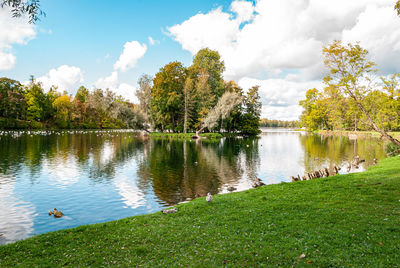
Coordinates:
[98,176]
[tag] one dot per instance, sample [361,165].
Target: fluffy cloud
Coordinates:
[285,35]
[66,78]
[280,97]
[132,52]
[272,39]
[12,31]
[378,30]
[127,91]
[110,82]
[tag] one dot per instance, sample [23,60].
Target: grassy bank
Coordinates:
[346,220]
[184,135]
[374,134]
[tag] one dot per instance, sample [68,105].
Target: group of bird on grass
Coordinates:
[325,171]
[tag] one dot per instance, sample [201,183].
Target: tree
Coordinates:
[63,106]
[397,7]
[314,115]
[209,62]
[167,96]
[144,96]
[231,123]
[187,93]
[82,94]
[250,120]
[12,100]
[350,71]
[206,73]
[20,7]
[38,103]
[221,111]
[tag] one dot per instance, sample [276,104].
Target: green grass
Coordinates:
[346,220]
[184,135]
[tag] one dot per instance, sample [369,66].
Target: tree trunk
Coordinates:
[199,131]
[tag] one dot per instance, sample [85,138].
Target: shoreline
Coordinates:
[273,224]
[356,134]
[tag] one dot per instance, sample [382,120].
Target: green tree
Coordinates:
[82,94]
[167,103]
[62,105]
[37,102]
[350,71]
[209,62]
[250,121]
[188,102]
[12,100]
[314,115]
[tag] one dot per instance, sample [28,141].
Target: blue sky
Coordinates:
[82,33]
[275,44]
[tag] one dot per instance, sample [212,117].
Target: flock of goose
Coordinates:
[325,171]
[31,133]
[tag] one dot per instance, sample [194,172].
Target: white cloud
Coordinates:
[153,42]
[66,78]
[284,39]
[7,61]
[132,52]
[243,9]
[280,97]
[127,91]
[111,82]
[378,30]
[12,31]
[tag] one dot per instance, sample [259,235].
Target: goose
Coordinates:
[57,213]
[231,188]
[169,211]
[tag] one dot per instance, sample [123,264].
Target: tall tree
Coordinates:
[143,94]
[63,106]
[221,111]
[167,103]
[12,100]
[350,71]
[187,93]
[209,62]
[250,121]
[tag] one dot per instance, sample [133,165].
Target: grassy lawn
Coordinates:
[346,220]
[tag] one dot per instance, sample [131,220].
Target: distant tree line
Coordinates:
[264,122]
[31,107]
[177,99]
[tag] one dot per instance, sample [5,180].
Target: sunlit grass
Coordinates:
[374,134]
[346,220]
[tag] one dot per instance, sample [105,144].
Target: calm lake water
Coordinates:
[98,176]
